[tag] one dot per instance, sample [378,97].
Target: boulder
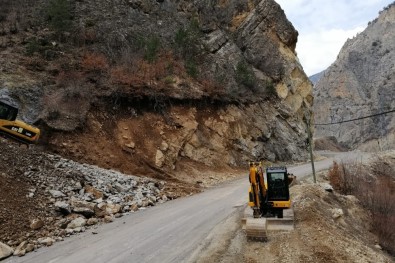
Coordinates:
[21,249]
[108,219]
[159,158]
[29,248]
[337,213]
[63,207]
[78,222]
[95,192]
[36,224]
[100,209]
[92,221]
[56,193]
[46,241]
[85,211]
[5,251]
[112,209]
[327,187]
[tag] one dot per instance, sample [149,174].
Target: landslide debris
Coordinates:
[45,198]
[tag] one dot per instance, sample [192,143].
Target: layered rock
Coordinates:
[239,84]
[361,83]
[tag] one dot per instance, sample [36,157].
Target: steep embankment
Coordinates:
[361,83]
[153,86]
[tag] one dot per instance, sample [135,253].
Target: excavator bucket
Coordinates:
[256,229]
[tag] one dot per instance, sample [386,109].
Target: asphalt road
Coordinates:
[169,232]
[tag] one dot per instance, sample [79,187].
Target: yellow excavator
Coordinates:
[16,129]
[270,201]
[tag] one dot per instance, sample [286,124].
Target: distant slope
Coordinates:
[360,83]
[316,77]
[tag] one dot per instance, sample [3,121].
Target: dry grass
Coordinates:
[143,73]
[94,62]
[375,188]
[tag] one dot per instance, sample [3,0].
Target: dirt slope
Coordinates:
[329,227]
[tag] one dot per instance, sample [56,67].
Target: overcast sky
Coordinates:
[324,26]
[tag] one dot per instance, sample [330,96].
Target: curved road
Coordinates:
[169,232]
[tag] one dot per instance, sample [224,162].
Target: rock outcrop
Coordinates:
[229,69]
[360,83]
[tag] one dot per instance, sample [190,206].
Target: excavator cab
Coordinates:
[277,184]
[16,129]
[8,112]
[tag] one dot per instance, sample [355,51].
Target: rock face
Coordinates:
[229,66]
[361,82]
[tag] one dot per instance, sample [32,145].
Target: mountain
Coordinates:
[316,77]
[147,86]
[360,83]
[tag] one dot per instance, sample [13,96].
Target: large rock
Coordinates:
[78,222]
[56,193]
[47,241]
[63,207]
[21,249]
[361,83]
[94,191]
[36,224]
[5,251]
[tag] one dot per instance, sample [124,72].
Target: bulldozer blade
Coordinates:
[280,224]
[256,229]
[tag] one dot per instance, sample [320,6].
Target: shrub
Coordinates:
[271,89]
[187,40]
[94,62]
[188,46]
[32,46]
[59,15]
[377,194]
[244,75]
[192,68]
[152,45]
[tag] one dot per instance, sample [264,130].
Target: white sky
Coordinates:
[324,26]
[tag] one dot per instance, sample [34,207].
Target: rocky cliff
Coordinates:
[360,83]
[132,84]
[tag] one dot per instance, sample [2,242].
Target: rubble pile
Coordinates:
[45,198]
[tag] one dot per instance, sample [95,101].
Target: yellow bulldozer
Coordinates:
[270,201]
[16,129]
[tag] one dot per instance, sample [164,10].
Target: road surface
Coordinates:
[169,232]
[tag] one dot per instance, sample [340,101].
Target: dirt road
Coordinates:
[170,232]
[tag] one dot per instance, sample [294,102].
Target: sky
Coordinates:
[324,26]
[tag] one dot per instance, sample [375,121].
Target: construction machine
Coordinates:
[270,201]
[16,129]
